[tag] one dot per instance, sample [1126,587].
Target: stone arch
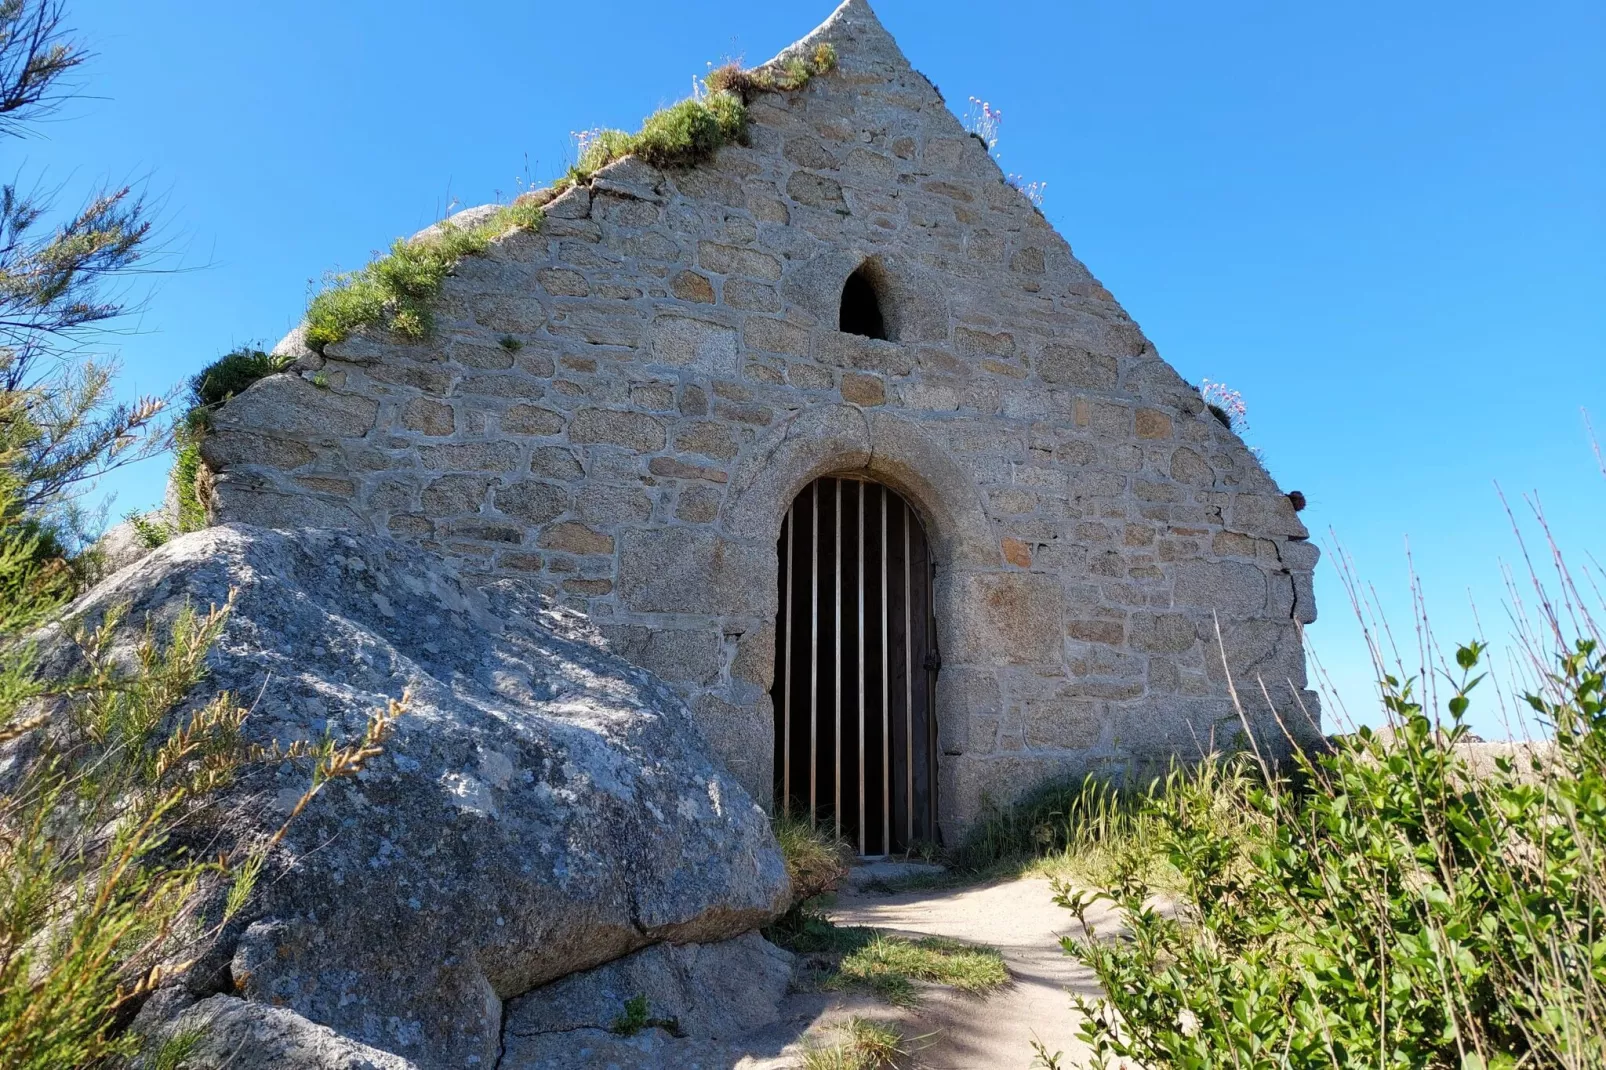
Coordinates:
[844,440]
[914,305]
[862,312]
[847,440]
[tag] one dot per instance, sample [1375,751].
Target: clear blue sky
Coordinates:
[1382,222]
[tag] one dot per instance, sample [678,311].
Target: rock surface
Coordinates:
[543,807]
[238,1034]
[693,994]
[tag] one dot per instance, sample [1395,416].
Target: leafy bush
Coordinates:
[232,373]
[1399,908]
[395,289]
[692,130]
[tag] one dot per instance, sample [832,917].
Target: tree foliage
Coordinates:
[59,278]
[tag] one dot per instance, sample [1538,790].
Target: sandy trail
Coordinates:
[952,1030]
[1020,919]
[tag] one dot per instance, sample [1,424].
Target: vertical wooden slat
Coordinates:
[886,690]
[814,652]
[786,681]
[908,687]
[863,841]
[931,697]
[836,676]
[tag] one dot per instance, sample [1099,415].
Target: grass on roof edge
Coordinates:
[395,289]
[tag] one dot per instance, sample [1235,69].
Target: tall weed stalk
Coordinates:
[110,788]
[1396,902]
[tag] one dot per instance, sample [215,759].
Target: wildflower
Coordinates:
[1032,190]
[983,120]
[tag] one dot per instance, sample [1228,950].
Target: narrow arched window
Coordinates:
[861,309]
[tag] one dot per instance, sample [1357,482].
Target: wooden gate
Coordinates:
[855,667]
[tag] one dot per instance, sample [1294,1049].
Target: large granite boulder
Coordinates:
[686,999]
[543,807]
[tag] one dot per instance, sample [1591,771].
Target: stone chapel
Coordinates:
[834,435]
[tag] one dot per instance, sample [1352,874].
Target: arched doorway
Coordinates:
[855,667]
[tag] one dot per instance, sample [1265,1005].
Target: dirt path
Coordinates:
[948,1030]
[952,1030]
[1020,919]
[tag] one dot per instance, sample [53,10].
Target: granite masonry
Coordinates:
[620,407]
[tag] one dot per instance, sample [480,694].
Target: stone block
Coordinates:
[470,456]
[226,449]
[428,417]
[1266,514]
[735,260]
[863,390]
[575,538]
[695,345]
[1066,365]
[1298,554]
[530,500]
[449,495]
[563,282]
[682,570]
[291,406]
[559,462]
[690,286]
[1190,468]
[1013,617]
[708,438]
[670,468]
[816,191]
[698,505]
[607,504]
[973,343]
[1152,423]
[531,420]
[1063,723]
[1162,633]
[775,336]
[1233,589]
[751,296]
[1110,632]
[632,430]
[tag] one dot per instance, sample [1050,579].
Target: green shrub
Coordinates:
[684,133]
[1055,819]
[151,533]
[1401,908]
[395,289]
[692,130]
[232,373]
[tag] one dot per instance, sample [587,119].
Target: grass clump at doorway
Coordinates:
[889,966]
[865,1045]
[816,861]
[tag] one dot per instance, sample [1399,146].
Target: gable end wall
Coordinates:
[619,407]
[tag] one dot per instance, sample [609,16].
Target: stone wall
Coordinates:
[621,406]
